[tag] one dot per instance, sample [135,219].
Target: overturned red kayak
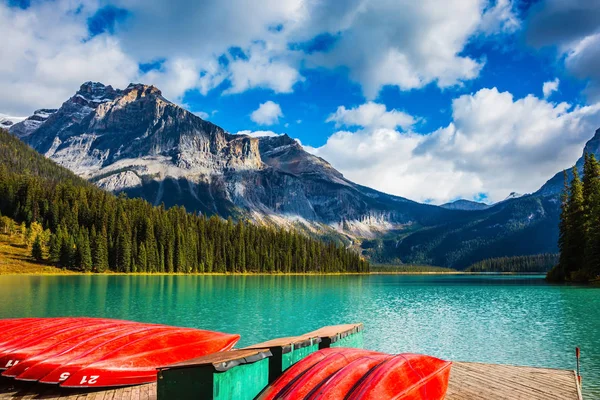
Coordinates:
[358,374]
[87,352]
[405,377]
[35,367]
[339,385]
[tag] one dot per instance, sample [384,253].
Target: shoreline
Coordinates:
[76,273]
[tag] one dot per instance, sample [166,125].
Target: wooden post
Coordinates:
[577,355]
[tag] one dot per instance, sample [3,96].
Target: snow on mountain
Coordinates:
[135,140]
[7,121]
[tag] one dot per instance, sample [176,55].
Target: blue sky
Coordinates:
[429,101]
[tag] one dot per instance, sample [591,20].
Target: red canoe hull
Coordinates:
[406,377]
[141,367]
[353,374]
[51,358]
[339,385]
[86,352]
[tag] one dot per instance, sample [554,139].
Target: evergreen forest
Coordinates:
[579,238]
[75,225]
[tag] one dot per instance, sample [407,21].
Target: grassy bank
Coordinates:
[15,258]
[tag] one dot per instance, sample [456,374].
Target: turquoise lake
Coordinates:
[501,319]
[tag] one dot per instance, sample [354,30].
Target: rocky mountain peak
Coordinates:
[141,90]
[93,93]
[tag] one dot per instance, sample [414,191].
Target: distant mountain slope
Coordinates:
[465,205]
[517,226]
[90,229]
[135,141]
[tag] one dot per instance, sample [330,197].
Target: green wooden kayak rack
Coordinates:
[287,352]
[234,374]
[349,335]
[242,374]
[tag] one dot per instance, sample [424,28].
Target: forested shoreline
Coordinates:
[528,264]
[80,227]
[579,239]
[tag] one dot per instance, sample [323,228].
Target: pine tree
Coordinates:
[141,259]
[576,226]
[123,252]
[36,249]
[591,186]
[100,251]
[83,252]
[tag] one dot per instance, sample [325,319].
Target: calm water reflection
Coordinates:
[504,319]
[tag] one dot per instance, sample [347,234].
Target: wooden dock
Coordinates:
[468,381]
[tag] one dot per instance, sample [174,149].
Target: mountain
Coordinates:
[86,228]
[6,121]
[137,142]
[465,205]
[518,225]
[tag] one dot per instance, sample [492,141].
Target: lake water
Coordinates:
[500,319]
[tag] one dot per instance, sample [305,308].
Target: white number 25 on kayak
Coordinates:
[11,363]
[93,379]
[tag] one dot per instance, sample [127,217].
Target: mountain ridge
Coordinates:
[137,142]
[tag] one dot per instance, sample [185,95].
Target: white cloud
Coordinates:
[371,115]
[261,69]
[202,114]
[550,87]
[405,43]
[572,27]
[259,133]
[402,43]
[268,113]
[46,54]
[494,145]
[500,18]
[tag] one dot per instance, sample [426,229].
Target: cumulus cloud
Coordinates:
[47,53]
[550,87]
[268,113]
[572,27]
[496,145]
[402,43]
[405,43]
[500,18]
[260,69]
[371,115]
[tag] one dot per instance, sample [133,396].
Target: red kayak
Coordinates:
[406,377]
[353,374]
[135,354]
[342,382]
[140,367]
[85,350]
[307,373]
[49,359]
[51,338]
[295,372]
[88,352]
[323,370]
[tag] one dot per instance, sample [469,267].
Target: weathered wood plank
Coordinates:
[468,381]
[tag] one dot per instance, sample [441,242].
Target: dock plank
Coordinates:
[468,381]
